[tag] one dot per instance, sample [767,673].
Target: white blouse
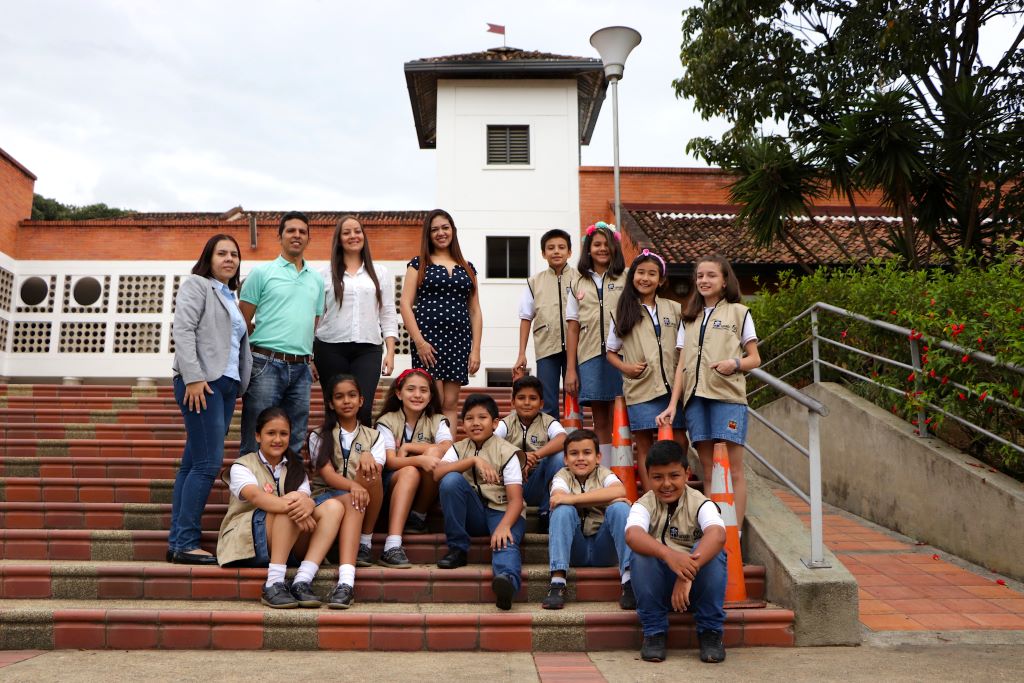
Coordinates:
[359,318]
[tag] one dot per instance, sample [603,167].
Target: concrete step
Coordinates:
[84,490]
[247,625]
[48,391]
[418,584]
[87,467]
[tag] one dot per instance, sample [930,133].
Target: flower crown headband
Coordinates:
[605,226]
[648,252]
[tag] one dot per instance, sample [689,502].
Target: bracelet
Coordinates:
[737,360]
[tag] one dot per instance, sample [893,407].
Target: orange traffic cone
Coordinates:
[722,493]
[572,417]
[666,433]
[622,449]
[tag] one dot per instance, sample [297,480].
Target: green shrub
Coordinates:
[976,307]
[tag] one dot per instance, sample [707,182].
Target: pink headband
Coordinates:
[648,252]
[411,371]
[601,225]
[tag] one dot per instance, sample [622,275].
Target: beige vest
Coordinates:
[536,434]
[235,539]
[709,343]
[592,517]
[679,529]
[595,312]
[361,446]
[550,291]
[497,453]
[642,345]
[424,431]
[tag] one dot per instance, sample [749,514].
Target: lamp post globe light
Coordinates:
[614,43]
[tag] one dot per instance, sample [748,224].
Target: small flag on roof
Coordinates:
[496,28]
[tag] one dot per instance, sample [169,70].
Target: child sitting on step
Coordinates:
[588,519]
[677,536]
[271,512]
[346,460]
[482,493]
[416,435]
[540,436]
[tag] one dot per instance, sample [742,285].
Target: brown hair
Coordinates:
[338,260]
[695,306]
[427,247]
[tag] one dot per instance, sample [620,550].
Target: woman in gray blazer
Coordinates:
[212,363]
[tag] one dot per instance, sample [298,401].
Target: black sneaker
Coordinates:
[394,558]
[653,649]
[453,560]
[278,596]
[303,592]
[503,591]
[543,523]
[415,525]
[341,597]
[363,559]
[556,596]
[712,650]
[628,599]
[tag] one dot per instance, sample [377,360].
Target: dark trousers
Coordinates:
[362,361]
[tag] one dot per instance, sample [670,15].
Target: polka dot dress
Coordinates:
[442,314]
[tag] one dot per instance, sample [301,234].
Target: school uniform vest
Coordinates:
[644,344]
[346,465]
[709,342]
[678,528]
[497,453]
[235,539]
[550,291]
[596,307]
[424,431]
[591,517]
[536,435]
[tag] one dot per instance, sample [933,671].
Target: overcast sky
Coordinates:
[201,106]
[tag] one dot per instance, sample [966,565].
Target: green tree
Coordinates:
[887,95]
[46,209]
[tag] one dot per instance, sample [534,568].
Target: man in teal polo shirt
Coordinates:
[286,297]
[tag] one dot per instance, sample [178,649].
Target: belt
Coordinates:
[277,355]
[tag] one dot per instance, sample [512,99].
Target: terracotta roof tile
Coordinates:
[506,54]
[242,216]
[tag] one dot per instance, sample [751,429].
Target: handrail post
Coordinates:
[817,559]
[814,346]
[915,361]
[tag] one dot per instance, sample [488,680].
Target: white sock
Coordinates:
[392,542]
[366,539]
[625,576]
[422,516]
[275,574]
[606,454]
[347,574]
[307,570]
[558,580]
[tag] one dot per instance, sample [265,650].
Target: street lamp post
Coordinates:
[614,44]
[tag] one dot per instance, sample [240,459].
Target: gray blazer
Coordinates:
[202,333]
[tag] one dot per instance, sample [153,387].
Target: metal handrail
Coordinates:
[803,399]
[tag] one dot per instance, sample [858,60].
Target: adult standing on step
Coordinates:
[441,310]
[286,297]
[359,316]
[212,364]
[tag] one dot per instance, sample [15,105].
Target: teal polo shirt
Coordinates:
[287,301]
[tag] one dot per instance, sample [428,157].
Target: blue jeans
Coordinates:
[550,371]
[537,487]
[568,547]
[276,383]
[653,582]
[465,514]
[201,460]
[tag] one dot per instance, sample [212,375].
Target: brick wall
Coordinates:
[16,185]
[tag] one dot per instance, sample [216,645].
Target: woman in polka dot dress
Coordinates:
[442,312]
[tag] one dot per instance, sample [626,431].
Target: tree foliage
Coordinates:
[856,96]
[46,209]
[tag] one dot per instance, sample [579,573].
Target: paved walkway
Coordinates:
[910,587]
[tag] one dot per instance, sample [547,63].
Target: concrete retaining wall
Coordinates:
[873,465]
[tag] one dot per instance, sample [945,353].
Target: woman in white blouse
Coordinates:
[359,317]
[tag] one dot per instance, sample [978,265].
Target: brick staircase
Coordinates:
[86,475]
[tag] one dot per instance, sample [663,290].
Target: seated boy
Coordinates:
[540,436]
[588,519]
[677,536]
[481,493]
